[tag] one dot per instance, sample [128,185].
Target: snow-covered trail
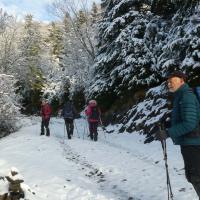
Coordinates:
[117,167]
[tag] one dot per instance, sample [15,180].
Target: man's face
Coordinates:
[174,83]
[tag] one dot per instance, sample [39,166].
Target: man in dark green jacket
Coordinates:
[185,130]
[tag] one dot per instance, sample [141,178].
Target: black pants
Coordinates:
[191,157]
[69,123]
[93,130]
[45,124]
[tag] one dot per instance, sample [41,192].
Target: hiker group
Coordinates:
[184,128]
[69,113]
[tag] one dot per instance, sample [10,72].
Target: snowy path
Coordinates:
[118,167]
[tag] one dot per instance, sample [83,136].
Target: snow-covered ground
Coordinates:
[117,167]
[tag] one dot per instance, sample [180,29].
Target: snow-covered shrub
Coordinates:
[14,182]
[9,104]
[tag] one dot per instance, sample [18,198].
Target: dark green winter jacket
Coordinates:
[185,117]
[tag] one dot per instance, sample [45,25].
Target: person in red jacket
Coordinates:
[46,114]
[93,113]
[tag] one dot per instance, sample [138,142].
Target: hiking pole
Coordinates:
[87,127]
[76,129]
[84,128]
[83,131]
[169,188]
[64,134]
[103,128]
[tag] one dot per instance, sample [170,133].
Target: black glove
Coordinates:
[149,139]
[161,135]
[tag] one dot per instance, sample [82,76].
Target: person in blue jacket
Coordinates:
[69,113]
[185,127]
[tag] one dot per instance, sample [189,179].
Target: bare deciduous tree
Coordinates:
[81,22]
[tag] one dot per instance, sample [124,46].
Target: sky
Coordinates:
[38,8]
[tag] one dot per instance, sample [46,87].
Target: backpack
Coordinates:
[68,111]
[196,132]
[95,113]
[197,92]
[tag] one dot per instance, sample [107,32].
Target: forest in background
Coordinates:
[118,53]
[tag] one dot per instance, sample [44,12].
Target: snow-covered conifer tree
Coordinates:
[137,48]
